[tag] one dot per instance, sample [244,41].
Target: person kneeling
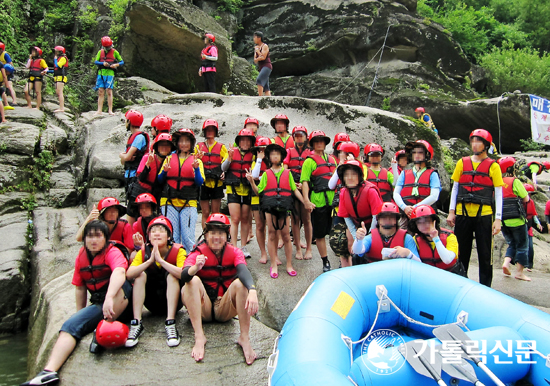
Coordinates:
[218,286]
[105,279]
[154,281]
[386,241]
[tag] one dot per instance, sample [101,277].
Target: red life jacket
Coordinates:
[171,257]
[423,185]
[61,71]
[476,186]
[512,205]
[138,155]
[431,256]
[375,252]
[296,160]
[218,274]
[140,226]
[211,160]
[109,57]
[541,167]
[530,209]
[322,174]
[35,69]
[94,271]
[117,234]
[277,194]
[236,174]
[358,207]
[289,142]
[180,181]
[384,186]
[205,62]
[155,166]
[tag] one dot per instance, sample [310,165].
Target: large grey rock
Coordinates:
[19,138]
[243,78]
[54,139]
[136,90]
[12,202]
[24,115]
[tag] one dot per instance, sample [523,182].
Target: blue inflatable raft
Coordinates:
[396,301]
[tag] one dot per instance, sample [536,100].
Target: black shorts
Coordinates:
[233,198]
[208,194]
[2,91]
[155,294]
[321,221]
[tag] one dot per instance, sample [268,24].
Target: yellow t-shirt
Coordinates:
[178,201]
[209,182]
[43,65]
[471,209]
[452,244]
[60,63]
[179,262]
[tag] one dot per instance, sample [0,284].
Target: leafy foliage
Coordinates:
[232,6]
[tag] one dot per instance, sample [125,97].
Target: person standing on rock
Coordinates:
[477,184]
[425,118]
[376,174]
[218,286]
[534,169]
[262,59]
[137,146]
[61,63]
[209,57]
[5,59]
[108,60]
[282,138]
[37,69]
[316,173]
[100,269]
[154,286]
[532,219]
[183,173]
[213,155]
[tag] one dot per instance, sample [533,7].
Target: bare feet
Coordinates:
[309,255]
[4,121]
[521,276]
[111,113]
[58,111]
[263,259]
[279,262]
[299,255]
[98,112]
[249,353]
[529,269]
[36,108]
[506,269]
[281,244]
[303,245]
[198,348]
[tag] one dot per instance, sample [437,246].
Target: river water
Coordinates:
[13,359]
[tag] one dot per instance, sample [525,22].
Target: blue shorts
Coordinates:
[105,81]
[86,320]
[263,78]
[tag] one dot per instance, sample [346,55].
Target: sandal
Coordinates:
[273,275]
[291,273]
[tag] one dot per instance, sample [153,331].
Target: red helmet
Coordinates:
[262,141]
[374,148]
[160,220]
[419,110]
[340,137]
[146,198]
[400,153]
[353,164]
[505,163]
[184,133]
[218,219]
[135,117]
[299,129]
[483,134]
[318,134]
[251,120]
[280,117]
[529,188]
[2,46]
[245,133]
[111,335]
[350,147]
[546,164]
[107,202]
[59,48]
[210,122]
[421,143]
[388,208]
[211,37]
[162,123]
[423,210]
[166,138]
[275,146]
[106,41]
[38,50]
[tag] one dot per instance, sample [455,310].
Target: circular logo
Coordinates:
[380,352]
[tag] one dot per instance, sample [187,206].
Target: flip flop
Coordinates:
[273,275]
[291,273]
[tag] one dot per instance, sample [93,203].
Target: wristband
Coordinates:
[435,240]
[410,255]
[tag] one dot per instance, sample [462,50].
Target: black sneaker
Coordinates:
[172,335]
[45,377]
[326,266]
[136,329]
[95,348]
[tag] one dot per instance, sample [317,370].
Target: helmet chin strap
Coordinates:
[375,163]
[419,162]
[389,226]
[111,222]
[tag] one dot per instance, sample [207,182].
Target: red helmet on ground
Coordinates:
[315,135]
[106,41]
[388,208]
[340,137]
[184,133]
[160,220]
[400,153]
[164,137]
[111,334]
[135,117]
[421,143]
[423,210]
[298,129]
[419,110]
[2,46]
[354,165]
[245,133]
[374,148]
[262,141]
[38,50]
[146,198]
[546,165]
[483,134]
[108,202]
[505,163]
[280,117]
[218,220]
[210,123]
[275,147]
[59,48]
[162,123]
[251,120]
[350,147]
[211,37]
[529,188]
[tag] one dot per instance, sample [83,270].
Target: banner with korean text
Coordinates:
[540,119]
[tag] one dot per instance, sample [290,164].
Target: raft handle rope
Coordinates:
[535,351]
[273,358]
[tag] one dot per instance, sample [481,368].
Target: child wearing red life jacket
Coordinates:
[61,63]
[239,198]
[37,69]
[376,174]
[532,219]
[398,163]
[147,208]
[209,57]
[275,190]
[251,124]
[280,123]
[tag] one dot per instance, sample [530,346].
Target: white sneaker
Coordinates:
[172,335]
[136,329]
[43,378]
[245,252]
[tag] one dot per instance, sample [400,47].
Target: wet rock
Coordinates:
[136,90]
